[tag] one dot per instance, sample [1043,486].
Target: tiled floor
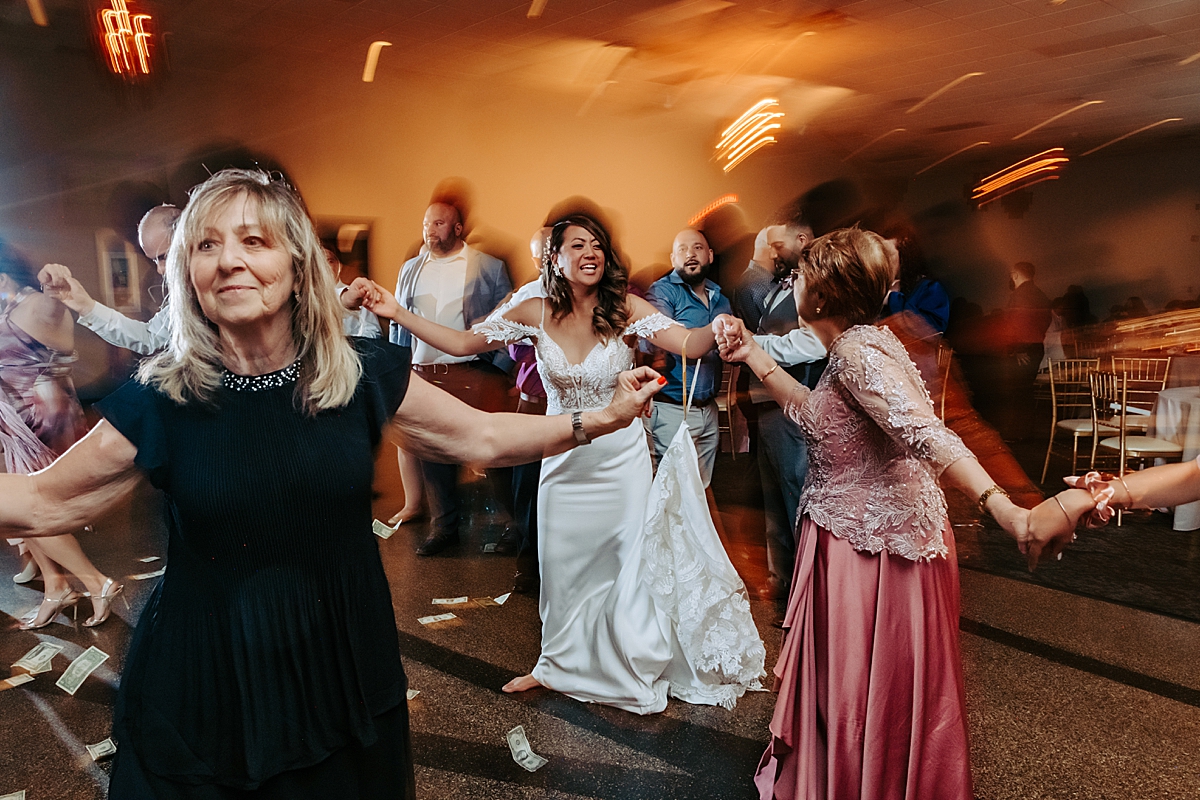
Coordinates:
[1070,694]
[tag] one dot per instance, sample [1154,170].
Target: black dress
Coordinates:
[266,663]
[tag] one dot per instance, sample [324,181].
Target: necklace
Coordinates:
[261,383]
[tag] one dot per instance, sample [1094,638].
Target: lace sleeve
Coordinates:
[875,368]
[649,325]
[796,400]
[502,329]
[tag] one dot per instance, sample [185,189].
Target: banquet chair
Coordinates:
[1147,377]
[1110,404]
[945,357]
[1071,406]
[726,407]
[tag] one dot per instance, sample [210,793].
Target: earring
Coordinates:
[818,311]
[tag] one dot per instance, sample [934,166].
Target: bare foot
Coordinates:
[521,684]
[405,515]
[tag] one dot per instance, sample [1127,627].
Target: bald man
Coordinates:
[154,235]
[457,286]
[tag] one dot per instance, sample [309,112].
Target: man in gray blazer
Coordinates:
[457,286]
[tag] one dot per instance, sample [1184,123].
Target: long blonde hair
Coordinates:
[190,368]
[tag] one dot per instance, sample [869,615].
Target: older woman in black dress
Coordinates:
[262,667]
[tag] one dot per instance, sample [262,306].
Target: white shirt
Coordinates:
[118,329]
[527,292]
[438,296]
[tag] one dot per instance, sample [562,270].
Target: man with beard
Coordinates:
[685,295]
[782,451]
[457,286]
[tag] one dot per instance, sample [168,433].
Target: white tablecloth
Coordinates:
[1178,420]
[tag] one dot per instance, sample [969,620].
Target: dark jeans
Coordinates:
[782,466]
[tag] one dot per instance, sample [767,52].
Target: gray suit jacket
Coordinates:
[487,286]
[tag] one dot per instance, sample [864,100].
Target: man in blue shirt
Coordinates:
[686,296]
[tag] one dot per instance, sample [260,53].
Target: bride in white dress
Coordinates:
[639,600]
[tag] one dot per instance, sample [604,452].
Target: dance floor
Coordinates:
[1082,681]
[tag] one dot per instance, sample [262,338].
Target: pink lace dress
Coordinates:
[869,678]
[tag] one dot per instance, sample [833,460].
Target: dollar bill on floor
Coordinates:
[80,669]
[145,576]
[522,753]
[502,599]
[37,660]
[412,693]
[13,796]
[383,530]
[149,559]
[435,618]
[484,602]
[490,547]
[450,601]
[102,749]
[15,681]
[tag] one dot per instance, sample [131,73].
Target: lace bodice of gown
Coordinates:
[875,448]
[588,385]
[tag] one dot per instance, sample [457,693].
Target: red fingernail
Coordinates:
[661,381]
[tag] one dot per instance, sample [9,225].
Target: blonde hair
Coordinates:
[850,267]
[190,368]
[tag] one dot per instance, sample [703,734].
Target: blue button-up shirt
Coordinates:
[670,295]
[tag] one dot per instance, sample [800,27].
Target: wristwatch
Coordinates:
[581,436]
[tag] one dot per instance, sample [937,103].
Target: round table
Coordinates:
[1177,419]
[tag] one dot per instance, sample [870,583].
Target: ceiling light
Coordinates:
[1132,133]
[873,141]
[38,12]
[373,60]
[702,214]
[125,38]
[535,9]
[1057,116]
[749,132]
[952,155]
[944,89]
[1017,175]
[1189,59]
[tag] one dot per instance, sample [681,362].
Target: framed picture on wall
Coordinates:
[350,240]
[120,272]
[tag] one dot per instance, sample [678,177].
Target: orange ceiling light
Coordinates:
[1056,117]
[1024,173]
[702,214]
[372,61]
[750,132]
[944,89]
[1132,133]
[944,159]
[125,37]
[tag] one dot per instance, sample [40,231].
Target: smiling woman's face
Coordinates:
[241,274]
[580,258]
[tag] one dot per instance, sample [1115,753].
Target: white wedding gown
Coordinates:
[639,599]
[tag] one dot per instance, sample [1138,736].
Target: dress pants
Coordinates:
[665,419]
[782,466]
[525,480]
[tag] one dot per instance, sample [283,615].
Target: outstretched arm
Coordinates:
[736,344]
[674,339]
[383,303]
[435,426]
[79,486]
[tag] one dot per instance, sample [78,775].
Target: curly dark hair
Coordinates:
[610,316]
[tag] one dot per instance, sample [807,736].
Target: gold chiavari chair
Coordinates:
[1071,406]
[945,357]
[1146,378]
[1110,403]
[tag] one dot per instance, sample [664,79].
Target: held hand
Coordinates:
[635,388]
[57,282]
[1014,520]
[383,303]
[354,295]
[1050,531]
[733,339]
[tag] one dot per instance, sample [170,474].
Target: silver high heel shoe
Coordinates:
[102,604]
[50,608]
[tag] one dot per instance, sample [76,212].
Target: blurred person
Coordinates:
[1027,318]
[871,698]
[754,284]
[267,664]
[622,624]
[40,418]
[355,322]
[782,450]
[154,236]
[686,295]
[914,290]
[455,285]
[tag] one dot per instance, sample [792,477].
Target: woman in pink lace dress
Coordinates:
[870,684]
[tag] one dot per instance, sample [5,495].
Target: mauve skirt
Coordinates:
[869,678]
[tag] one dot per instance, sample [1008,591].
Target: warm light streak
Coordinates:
[1019,188]
[535,9]
[1133,133]
[1189,59]
[373,60]
[952,155]
[1057,117]
[125,38]
[1043,162]
[38,12]
[873,141]
[749,132]
[944,89]
[702,214]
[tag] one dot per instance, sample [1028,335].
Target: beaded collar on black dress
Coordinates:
[260,383]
